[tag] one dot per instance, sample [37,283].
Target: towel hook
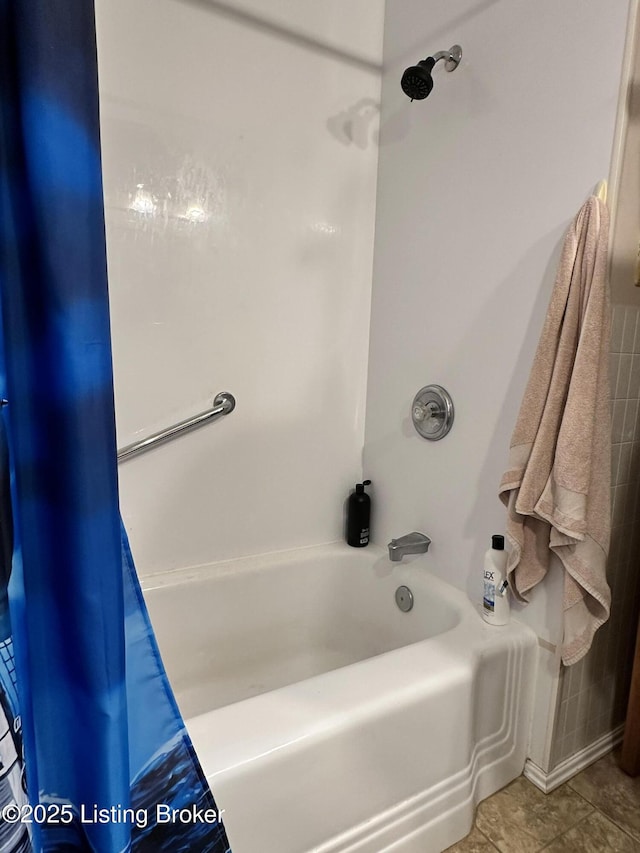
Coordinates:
[601,192]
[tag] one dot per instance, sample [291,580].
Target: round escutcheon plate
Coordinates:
[432,412]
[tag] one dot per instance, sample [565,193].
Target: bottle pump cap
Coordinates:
[497,543]
[360,486]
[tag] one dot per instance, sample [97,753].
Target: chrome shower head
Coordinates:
[417,81]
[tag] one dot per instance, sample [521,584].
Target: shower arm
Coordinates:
[451,57]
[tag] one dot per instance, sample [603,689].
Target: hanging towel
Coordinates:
[556,487]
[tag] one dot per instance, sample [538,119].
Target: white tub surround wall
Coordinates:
[476,186]
[239,153]
[321,722]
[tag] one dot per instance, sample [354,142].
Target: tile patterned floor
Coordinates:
[598,811]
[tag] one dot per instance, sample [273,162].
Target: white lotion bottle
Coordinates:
[495,599]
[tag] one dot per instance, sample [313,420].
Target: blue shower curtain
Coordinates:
[93,751]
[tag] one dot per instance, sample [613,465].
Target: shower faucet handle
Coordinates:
[432,412]
[422,411]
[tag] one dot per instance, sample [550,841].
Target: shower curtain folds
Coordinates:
[89,728]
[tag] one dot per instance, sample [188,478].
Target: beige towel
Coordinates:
[557,484]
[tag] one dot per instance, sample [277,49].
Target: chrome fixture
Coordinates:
[404,598]
[412,543]
[417,82]
[223,404]
[432,412]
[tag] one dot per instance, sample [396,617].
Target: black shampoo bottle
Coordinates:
[358,515]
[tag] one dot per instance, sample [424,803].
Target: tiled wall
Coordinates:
[593,694]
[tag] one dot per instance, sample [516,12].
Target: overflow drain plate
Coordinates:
[404,598]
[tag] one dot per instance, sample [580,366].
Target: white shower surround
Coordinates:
[326,719]
[239,145]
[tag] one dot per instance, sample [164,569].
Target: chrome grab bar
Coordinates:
[223,404]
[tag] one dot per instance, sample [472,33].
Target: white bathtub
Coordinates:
[326,719]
